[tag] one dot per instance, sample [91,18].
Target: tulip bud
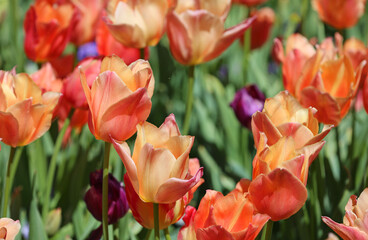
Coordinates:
[117,202]
[247,101]
[53,221]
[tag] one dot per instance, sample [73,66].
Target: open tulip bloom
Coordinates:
[159,166]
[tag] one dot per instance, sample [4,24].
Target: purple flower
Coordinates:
[117,202]
[247,101]
[87,50]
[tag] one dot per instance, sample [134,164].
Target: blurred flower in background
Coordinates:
[354,226]
[137,24]
[117,201]
[196,30]
[48,26]
[87,50]
[8,228]
[339,13]
[250,3]
[247,101]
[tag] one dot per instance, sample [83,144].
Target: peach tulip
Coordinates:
[88,13]
[339,13]
[159,166]
[169,213]
[230,217]
[137,24]
[108,45]
[9,228]
[119,99]
[46,79]
[48,28]
[287,140]
[196,30]
[354,226]
[25,113]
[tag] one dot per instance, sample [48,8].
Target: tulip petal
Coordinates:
[174,188]
[262,123]
[228,37]
[346,232]
[9,129]
[204,216]
[180,146]
[180,42]
[299,132]
[116,64]
[124,115]
[213,232]
[279,194]
[324,103]
[153,171]
[24,88]
[143,77]
[130,166]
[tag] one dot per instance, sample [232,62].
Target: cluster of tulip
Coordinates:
[111,89]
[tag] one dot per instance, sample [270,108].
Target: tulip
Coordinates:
[250,3]
[9,228]
[117,206]
[196,31]
[339,13]
[321,79]
[230,217]
[46,79]
[247,101]
[117,200]
[63,65]
[158,168]
[261,27]
[137,24]
[287,141]
[72,87]
[169,213]
[88,12]
[119,99]
[354,226]
[25,113]
[48,28]
[108,45]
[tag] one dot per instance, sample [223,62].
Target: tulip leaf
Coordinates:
[36,227]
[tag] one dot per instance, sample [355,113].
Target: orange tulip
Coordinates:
[287,140]
[339,13]
[47,29]
[196,30]
[88,12]
[137,24]
[250,3]
[354,225]
[230,217]
[119,99]
[9,228]
[169,213]
[158,168]
[25,113]
[326,80]
[261,27]
[108,45]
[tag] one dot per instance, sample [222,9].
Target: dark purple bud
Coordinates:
[87,50]
[117,202]
[247,101]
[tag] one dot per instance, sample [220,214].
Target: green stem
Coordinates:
[148,235]
[246,54]
[52,167]
[105,191]
[352,143]
[12,164]
[189,104]
[167,234]
[141,51]
[268,231]
[156,221]
[337,139]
